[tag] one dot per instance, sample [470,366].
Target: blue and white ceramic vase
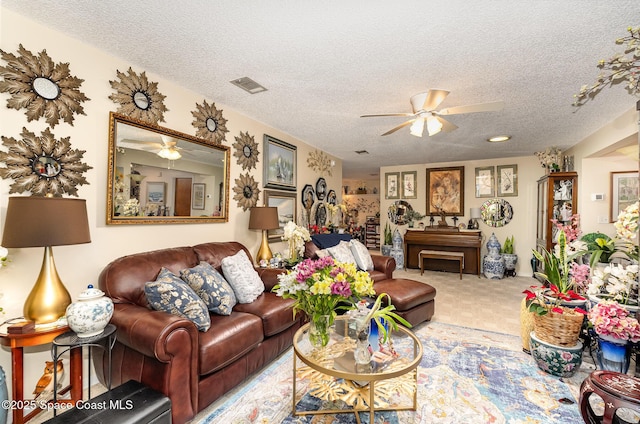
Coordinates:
[396,239]
[91,313]
[493,263]
[613,354]
[4,395]
[561,361]
[397,251]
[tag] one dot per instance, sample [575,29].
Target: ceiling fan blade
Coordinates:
[446,125]
[479,107]
[387,114]
[434,98]
[404,124]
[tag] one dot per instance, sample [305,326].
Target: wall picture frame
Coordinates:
[287,205]
[155,192]
[445,191]
[624,192]
[279,164]
[198,193]
[507,180]
[392,185]
[409,185]
[485,181]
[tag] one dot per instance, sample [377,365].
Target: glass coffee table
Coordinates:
[333,375]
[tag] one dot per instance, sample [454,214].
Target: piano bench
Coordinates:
[440,254]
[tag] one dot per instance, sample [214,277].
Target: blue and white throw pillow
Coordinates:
[242,276]
[211,287]
[361,255]
[342,253]
[168,293]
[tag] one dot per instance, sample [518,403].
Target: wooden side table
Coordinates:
[17,343]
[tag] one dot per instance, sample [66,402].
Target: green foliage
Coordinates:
[386,314]
[600,246]
[556,268]
[388,239]
[507,246]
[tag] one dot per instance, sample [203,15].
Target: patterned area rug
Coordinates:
[466,376]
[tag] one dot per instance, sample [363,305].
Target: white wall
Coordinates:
[80,265]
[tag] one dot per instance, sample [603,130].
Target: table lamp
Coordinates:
[473,222]
[264,218]
[46,222]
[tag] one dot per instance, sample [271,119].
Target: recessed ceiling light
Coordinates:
[499,138]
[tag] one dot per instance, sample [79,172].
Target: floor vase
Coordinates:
[613,355]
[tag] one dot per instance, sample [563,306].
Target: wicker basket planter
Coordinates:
[559,329]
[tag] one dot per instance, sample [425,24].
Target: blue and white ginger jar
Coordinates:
[91,313]
[493,263]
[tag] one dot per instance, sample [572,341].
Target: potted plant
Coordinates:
[510,258]
[600,247]
[388,241]
[410,216]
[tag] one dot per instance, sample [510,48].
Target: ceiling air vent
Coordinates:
[362,152]
[248,85]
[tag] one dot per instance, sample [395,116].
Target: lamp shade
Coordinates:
[475,213]
[45,221]
[264,218]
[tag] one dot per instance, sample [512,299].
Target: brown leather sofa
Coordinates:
[414,301]
[168,353]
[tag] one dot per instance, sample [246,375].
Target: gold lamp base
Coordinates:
[265,250]
[49,298]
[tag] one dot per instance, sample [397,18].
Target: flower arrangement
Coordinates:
[616,69]
[616,282]
[296,236]
[131,208]
[333,210]
[627,230]
[557,265]
[609,319]
[319,286]
[550,158]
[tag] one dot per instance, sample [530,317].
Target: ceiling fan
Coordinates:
[167,149]
[424,105]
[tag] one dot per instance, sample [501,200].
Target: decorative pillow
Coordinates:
[211,287]
[322,253]
[361,255]
[242,276]
[168,293]
[342,252]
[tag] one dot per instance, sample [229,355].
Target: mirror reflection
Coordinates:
[157,175]
[496,212]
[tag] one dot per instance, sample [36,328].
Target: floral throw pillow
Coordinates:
[168,293]
[342,253]
[361,255]
[211,287]
[242,276]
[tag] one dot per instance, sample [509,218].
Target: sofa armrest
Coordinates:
[269,276]
[385,264]
[155,334]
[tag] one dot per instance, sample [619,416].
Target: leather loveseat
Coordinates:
[414,301]
[168,353]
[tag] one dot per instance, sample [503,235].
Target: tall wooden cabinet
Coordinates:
[557,199]
[372,233]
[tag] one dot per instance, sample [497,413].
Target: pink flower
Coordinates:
[611,319]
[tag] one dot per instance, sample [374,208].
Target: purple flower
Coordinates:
[342,288]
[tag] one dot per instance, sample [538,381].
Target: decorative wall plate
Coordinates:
[209,122]
[246,191]
[42,87]
[332,197]
[321,215]
[246,151]
[321,188]
[43,165]
[138,98]
[319,162]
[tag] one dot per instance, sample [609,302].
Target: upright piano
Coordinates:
[449,239]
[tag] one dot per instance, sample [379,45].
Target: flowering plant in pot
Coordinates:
[615,282]
[295,236]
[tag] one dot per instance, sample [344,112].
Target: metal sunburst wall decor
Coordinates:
[43,165]
[138,98]
[209,122]
[246,150]
[320,162]
[44,88]
[246,191]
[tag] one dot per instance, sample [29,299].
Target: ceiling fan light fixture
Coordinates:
[169,153]
[433,125]
[499,139]
[417,127]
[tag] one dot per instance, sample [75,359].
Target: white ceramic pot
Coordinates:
[91,313]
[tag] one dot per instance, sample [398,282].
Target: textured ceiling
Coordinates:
[327,62]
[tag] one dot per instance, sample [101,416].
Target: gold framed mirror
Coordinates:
[160,176]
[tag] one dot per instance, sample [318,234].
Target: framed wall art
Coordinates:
[624,192]
[155,192]
[279,164]
[198,195]
[392,185]
[507,180]
[445,191]
[287,205]
[485,182]
[409,185]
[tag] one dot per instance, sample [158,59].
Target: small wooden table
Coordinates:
[17,343]
[441,254]
[616,390]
